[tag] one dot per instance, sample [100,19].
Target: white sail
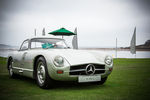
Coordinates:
[133,43]
[34,32]
[43,32]
[75,40]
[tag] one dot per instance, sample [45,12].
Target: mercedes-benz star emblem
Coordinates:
[90,69]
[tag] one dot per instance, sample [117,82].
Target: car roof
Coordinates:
[44,38]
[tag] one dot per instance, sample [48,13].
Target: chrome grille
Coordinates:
[81,69]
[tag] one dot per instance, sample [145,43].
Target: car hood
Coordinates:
[75,57]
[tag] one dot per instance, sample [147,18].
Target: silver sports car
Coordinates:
[50,59]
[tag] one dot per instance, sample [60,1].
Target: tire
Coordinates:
[103,80]
[42,77]
[11,73]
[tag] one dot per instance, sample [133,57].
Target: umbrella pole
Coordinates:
[62,37]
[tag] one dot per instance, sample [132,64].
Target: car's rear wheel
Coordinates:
[103,80]
[10,69]
[42,77]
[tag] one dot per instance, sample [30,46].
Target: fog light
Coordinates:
[110,69]
[60,71]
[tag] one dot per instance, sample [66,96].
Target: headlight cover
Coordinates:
[59,61]
[108,60]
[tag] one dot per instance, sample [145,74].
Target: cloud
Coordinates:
[99,22]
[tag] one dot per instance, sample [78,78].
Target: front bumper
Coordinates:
[65,76]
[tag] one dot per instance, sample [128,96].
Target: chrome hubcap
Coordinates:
[41,73]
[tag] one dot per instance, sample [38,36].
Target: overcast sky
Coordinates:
[99,22]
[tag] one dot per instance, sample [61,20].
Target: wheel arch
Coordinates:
[34,64]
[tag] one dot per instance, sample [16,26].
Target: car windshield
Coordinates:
[46,43]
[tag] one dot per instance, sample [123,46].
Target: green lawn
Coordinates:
[130,80]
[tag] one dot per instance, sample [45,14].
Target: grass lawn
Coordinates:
[130,80]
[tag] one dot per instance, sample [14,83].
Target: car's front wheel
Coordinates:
[42,76]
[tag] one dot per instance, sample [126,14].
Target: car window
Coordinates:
[36,45]
[47,43]
[24,45]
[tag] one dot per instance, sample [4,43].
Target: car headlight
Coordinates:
[108,60]
[59,61]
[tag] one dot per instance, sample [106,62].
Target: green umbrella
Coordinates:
[62,32]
